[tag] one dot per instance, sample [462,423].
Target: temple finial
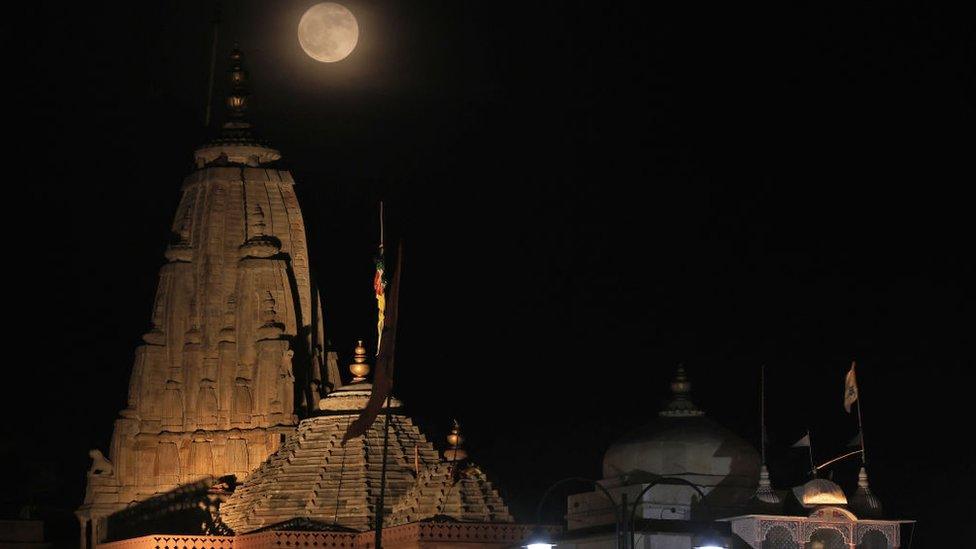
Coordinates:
[680,404]
[454,451]
[237,98]
[864,502]
[765,491]
[359,366]
[236,144]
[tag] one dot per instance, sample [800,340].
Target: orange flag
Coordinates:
[383,378]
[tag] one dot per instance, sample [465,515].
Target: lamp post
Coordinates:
[541,540]
[699,541]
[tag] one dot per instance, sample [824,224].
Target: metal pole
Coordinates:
[813,468]
[849,454]
[860,427]
[613,503]
[762,412]
[379,504]
[213,62]
[621,525]
[629,525]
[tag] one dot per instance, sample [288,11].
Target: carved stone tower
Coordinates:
[234,353]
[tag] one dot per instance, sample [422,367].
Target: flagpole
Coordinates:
[813,468]
[762,411]
[860,427]
[380,293]
[847,455]
[213,62]
[381,226]
[378,537]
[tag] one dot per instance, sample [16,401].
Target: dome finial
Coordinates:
[359,366]
[765,492]
[864,502]
[454,440]
[681,404]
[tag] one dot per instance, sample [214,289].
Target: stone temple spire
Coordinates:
[233,355]
[236,142]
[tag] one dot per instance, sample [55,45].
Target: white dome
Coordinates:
[684,446]
[683,443]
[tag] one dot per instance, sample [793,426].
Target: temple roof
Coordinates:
[314,476]
[461,492]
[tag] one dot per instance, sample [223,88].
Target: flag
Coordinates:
[379,286]
[803,442]
[850,389]
[856,441]
[383,378]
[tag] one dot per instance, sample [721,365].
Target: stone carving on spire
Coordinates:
[100,464]
[216,376]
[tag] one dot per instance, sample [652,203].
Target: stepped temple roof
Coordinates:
[313,476]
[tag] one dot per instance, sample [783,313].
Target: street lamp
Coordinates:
[708,540]
[541,539]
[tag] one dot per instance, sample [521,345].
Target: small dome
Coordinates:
[682,441]
[820,491]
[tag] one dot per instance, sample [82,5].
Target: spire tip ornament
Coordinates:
[680,404]
[765,492]
[455,452]
[359,366]
[236,143]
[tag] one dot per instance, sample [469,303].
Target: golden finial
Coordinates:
[359,367]
[680,384]
[237,99]
[680,404]
[454,441]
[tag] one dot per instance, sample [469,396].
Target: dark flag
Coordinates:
[383,378]
[855,442]
[850,389]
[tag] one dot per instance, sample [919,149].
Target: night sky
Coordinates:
[589,195]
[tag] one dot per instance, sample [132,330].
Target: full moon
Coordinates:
[328,32]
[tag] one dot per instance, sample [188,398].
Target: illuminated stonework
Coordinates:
[313,476]
[233,353]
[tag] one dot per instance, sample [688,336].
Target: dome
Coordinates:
[683,442]
[820,491]
[673,446]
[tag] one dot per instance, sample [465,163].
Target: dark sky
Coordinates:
[590,194]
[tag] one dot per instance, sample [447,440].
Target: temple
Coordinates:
[210,444]
[233,433]
[684,481]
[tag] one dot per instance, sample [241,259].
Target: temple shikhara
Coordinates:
[211,442]
[232,436]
